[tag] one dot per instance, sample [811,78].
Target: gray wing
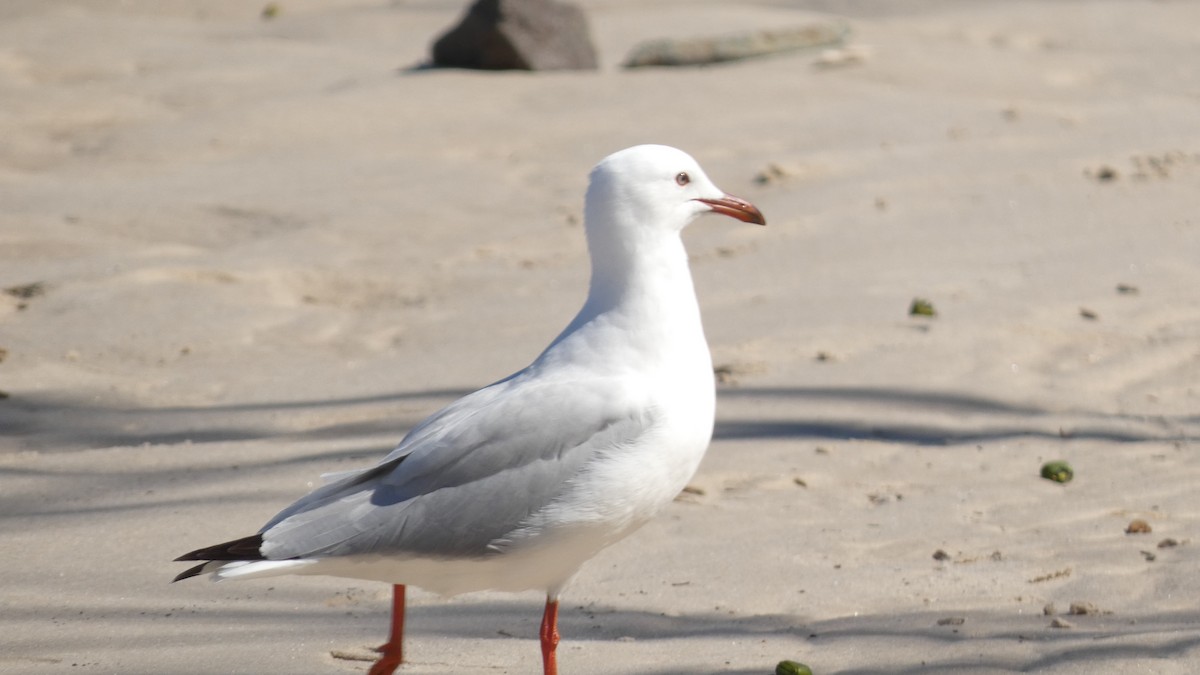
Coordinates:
[467,476]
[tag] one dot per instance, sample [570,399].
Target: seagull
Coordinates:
[514,486]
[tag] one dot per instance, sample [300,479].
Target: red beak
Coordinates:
[736,207]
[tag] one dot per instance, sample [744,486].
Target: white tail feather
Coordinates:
[252,569]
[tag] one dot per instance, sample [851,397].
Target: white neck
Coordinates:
[641,302]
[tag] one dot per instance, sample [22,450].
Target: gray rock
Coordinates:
[518,35]
[722,48]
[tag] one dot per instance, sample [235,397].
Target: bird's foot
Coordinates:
[389,660]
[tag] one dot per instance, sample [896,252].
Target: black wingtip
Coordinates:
[246,548]
[191,572]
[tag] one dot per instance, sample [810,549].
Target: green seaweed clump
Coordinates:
[1059,472]
[921,307]
[792,668]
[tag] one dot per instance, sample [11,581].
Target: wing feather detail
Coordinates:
[470,475]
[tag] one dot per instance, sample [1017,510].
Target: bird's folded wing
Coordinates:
[469,475]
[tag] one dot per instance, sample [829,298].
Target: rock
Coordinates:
[722,48]
[518,35]
[1138,526]
[1082,609]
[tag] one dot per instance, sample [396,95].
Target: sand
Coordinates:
[241,252]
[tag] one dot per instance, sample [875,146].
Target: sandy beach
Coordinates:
[238,252]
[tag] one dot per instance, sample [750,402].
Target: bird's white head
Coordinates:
[657,187]
[638,202]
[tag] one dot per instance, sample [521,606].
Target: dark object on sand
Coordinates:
[518,35]
[921,307]
[700,51]
[1138,526]
[26,291]
[1059,472]
[792,668]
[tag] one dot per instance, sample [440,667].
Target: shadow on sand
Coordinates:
[50,423]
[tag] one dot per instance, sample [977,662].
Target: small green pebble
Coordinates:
[792,668]
[921,307]
[1059,472]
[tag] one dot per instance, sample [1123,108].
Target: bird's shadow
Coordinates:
[63,423]
[1166,635]
[50,422]
[927,417]
[57,423]
[916,643]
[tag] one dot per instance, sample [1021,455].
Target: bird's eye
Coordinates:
[683,178]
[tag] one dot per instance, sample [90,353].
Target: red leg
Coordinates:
[392,653]
[549,635]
